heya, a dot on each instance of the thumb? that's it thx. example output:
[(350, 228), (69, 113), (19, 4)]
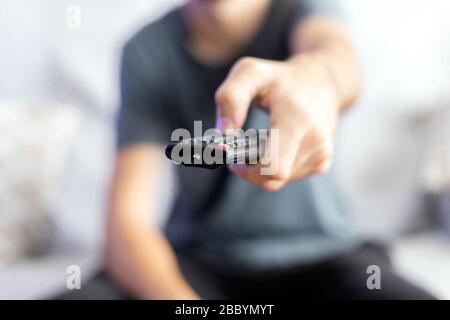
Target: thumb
[(246, 81), (232, 107)]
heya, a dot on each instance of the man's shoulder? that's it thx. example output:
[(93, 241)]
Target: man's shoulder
[(153, 37)]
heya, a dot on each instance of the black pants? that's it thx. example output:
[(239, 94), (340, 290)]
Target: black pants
[(341, 277)]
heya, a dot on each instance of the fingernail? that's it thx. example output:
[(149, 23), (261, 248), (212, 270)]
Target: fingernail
[(224, 123)]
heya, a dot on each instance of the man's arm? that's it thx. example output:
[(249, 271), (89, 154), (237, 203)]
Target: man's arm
[(138, 256), (326, 40), (304, 96)]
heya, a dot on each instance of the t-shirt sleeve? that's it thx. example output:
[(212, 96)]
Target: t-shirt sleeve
[(142, 117)]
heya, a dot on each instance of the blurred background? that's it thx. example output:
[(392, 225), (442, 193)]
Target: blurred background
[(58, 98)]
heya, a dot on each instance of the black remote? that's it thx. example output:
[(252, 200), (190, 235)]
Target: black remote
[(212, 152)]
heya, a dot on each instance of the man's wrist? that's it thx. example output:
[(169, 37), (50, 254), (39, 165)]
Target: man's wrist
[(318, 64)]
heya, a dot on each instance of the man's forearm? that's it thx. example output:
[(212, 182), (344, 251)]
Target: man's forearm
[(137, 254), (326, 42), (142, 261)]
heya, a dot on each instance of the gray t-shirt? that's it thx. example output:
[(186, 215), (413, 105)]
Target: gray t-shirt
[(217, 216)]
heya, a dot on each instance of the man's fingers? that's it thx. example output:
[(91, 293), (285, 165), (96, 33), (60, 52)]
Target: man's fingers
[(232, 102), (276, 168), (250, 173), (286, 135), (315, 148), (316, 168), (245, 82)]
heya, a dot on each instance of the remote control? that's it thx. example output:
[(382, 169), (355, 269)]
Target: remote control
[(212, 152)]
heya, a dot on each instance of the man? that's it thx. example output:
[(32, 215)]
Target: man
[(234, 232)]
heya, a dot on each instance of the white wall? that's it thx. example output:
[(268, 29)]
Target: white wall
[(41, 58), (23, 49), (404, 50)]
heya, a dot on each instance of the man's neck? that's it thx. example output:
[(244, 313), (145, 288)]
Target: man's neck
[(219, 29)]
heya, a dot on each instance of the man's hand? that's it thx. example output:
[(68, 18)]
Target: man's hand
[(304, 96), (303, 104)]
